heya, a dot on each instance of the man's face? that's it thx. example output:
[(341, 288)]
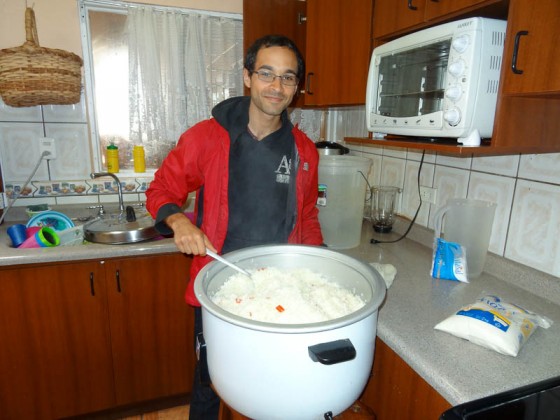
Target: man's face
[(272, 98)]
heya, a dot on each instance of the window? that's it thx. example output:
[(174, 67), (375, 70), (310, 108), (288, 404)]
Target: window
[(152, 72)]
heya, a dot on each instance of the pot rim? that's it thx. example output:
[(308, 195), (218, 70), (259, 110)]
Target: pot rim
[(371, 275)]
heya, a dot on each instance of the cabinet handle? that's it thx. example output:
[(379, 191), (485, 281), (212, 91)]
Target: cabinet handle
[(518, 36), (308, 84), (301, 18), (91, 284), (410, 6), (118, 277)]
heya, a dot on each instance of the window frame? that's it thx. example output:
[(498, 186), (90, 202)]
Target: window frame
[(84, 6)]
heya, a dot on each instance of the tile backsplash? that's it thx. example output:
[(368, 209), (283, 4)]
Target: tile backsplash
[(65, 179), (526, 189)]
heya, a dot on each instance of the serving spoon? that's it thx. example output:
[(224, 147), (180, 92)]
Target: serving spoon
[(226, 262)]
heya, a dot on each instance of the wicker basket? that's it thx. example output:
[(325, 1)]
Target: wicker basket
[(31, 75)]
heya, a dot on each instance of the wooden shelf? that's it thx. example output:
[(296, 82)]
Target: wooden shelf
[(441, 146)]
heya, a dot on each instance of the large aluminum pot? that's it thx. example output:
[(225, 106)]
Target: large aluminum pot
[(280, 371)]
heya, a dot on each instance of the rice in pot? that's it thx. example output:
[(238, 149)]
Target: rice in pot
[(298, 296)]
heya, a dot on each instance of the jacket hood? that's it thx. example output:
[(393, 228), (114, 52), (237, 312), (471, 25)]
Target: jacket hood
[(233, 112)]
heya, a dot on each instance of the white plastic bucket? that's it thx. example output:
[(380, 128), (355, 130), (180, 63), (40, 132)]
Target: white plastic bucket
[(342, 191)]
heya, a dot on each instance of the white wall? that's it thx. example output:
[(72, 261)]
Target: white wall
[(58, 25)]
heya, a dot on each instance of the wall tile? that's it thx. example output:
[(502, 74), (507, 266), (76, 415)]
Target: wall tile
[(545, 167), (25, 114), (19, 151), (72, 148), (392, 172), (60, 188), (414, 154), (535, 226), (374, 176), (454, 162), (397, 152), (410, 198), (86, 200), (499, 190), (501, 165), (66, 113), (308, 120)]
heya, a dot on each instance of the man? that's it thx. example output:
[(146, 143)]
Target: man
[(254, 173)]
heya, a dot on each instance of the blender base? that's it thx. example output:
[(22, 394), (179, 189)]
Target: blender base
[(382, 229)]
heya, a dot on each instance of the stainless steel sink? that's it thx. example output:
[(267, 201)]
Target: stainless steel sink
[(125, 227)]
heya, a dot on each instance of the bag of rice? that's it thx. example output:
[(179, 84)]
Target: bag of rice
[(495, 324)]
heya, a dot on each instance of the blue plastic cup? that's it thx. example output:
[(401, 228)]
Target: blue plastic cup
[(17, 234)]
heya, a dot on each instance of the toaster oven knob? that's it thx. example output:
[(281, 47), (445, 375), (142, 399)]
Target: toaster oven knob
[(457, 68), (452, 116), (460, 43), (454, 93)]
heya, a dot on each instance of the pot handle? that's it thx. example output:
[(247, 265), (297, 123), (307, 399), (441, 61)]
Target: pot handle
[(332, 352)]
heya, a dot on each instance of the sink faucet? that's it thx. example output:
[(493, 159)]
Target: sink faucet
[(119, 186)]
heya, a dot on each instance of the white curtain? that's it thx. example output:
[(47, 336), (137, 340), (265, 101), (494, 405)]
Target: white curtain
[(181, 65)]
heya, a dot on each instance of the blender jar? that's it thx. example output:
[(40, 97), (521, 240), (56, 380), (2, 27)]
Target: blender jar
[(383, 206)]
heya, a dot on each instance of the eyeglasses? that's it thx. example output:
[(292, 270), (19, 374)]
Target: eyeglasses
[(269, 77)]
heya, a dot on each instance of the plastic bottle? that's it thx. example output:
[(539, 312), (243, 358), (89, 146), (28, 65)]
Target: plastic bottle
[(139, 159), (112, 158)]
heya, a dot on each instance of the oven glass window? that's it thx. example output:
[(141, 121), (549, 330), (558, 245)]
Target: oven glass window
[(412, 82)]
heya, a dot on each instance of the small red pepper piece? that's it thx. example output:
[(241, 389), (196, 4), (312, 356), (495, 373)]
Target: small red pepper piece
[(279, 308)]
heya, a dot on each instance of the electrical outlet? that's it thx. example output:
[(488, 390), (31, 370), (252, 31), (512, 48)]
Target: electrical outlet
[(47, 144), (428, 194)]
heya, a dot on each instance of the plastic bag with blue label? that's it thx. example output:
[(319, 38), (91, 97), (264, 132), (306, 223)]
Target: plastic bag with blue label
[(495, 324), (449, 261)]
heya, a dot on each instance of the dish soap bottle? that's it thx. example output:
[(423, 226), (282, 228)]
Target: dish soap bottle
[(139, 159), (112, 158)]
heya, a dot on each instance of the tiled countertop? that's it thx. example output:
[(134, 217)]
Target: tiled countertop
[(458, 370)]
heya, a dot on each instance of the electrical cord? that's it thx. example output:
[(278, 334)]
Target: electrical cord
[(377, 241), (11, 202)]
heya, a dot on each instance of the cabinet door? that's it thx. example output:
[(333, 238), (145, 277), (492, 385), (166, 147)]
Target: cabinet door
[(535, 27), (151, 326), (396, 392), (338, 51), (55, 357), (285, 17), (391, 16), (438, 8)]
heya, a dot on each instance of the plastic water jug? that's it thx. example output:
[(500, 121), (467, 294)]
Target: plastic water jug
[(469, 223), (342, 191)]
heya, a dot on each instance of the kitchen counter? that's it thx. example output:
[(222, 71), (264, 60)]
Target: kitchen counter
[(460, 371)]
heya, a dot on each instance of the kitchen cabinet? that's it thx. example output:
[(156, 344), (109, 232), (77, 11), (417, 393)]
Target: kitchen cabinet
[(396, 392), (528, 108), (390, 16), (333, 35), (151, 327), (532, 29), (285, 17), (393, 17), (87, 336), (527, 116), (55, 358)]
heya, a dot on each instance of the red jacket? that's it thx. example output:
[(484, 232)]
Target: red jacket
[(184, 171)]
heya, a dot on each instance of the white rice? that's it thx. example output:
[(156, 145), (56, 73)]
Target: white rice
[(297, 296)]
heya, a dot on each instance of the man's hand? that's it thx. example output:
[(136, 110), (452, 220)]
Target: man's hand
[(188, 238)]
